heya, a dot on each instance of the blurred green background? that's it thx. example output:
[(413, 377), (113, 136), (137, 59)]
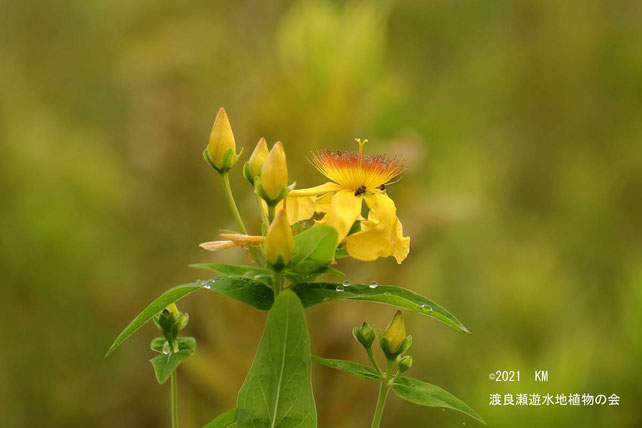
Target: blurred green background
[(521, 124)]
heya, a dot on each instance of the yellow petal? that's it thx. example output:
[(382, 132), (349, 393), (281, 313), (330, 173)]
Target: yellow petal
[(298, 208), (322, 203), (381, 235), (316, 191), (172, 308), (344, 210), (400, 243)]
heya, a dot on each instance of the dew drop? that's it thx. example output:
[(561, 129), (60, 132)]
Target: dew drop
[(325, 299), (373, 284), (166, 348), (346, 283), (207, 286), (387, 293), (426, 307), (340, 288)]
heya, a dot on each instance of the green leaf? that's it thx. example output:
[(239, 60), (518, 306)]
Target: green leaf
[(341, 252), (245, 290), (158, 343), (223, 420), (318, 292), (165, 364), (355, 369), (314, 249), (165, 299), (425, 394), (253, 293), (277, 391), (296, 277), (252, 272)]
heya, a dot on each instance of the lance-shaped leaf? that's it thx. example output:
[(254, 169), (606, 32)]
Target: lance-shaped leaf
[(355, 369), (318, 292), (277, 391), (253, 293), (251, 272), (165, 363), (223, 420), (426, 394)]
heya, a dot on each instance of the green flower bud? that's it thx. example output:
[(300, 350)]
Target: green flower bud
[(170, 321), (364, 335), (405, 363)]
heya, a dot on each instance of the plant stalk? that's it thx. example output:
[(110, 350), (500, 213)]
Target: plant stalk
[(237, 216), (271, 213), (374, 361), (264, 217), (278, 283), (174, 400), (383, 395)]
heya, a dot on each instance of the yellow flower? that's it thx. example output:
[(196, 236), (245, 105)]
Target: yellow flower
[(274, 174), (222, 141), (395, 332), (252, 167), (355, 179), (279, 242)]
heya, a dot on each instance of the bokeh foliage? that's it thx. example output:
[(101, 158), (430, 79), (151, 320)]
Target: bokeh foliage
[(520, 123)]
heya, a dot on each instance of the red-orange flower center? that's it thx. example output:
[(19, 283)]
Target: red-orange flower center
[(352, 170)]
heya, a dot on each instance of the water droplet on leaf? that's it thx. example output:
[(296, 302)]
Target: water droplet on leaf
[(373, 284), (346, 283), (340, 288)]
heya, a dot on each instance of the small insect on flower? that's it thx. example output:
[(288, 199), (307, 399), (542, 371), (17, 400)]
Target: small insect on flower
[(356, 178)]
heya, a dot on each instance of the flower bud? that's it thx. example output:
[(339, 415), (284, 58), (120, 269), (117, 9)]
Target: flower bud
[(221, 149), (274, 175), (395, 332), (170, 321), (405, 363), (279, 242), (364, 335), (252, 168)]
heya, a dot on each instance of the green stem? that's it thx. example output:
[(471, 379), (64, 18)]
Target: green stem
[(383, 394), (374, 361), (230, 201), (264, 217), (278, 283), (237, 216), (174, 400), (271, 209)]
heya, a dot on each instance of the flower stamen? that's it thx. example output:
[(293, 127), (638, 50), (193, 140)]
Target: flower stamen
[(352, 170)]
